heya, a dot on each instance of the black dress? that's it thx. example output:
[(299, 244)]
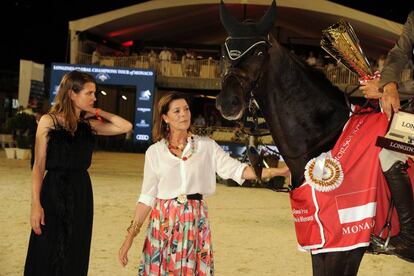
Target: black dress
[(66, 197)]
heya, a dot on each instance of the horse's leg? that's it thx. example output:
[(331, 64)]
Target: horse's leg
[(345, 263)]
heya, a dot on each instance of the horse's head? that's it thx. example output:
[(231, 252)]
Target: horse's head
[(246, 51)]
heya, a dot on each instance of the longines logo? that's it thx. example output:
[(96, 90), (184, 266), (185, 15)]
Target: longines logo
[(145, 95), (407, 125)]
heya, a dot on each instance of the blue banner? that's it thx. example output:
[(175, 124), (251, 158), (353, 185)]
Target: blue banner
[(142, 79)]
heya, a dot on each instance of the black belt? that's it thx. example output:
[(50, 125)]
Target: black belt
[(182, 198), (195, 196)]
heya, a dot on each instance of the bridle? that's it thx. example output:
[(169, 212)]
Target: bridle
[(236, 56)]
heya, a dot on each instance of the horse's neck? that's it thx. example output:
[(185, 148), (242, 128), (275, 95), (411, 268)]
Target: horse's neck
[(299, 114)]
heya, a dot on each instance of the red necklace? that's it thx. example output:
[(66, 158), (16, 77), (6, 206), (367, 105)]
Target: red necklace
[(181, 148)]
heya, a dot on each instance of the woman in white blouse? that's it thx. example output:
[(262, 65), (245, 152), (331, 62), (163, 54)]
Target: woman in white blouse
[(179, 171)]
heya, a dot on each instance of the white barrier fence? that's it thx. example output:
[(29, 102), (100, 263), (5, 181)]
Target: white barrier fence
[(206, 68)]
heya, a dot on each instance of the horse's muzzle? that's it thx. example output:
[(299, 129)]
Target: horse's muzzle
[(230, 101)]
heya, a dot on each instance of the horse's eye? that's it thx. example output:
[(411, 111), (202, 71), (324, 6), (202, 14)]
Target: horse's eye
[(260, 53)]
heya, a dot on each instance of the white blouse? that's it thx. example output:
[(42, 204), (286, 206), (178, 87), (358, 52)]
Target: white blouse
[(167, 176)]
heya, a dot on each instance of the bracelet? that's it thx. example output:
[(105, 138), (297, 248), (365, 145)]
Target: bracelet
[(134, 227), (97, 110)]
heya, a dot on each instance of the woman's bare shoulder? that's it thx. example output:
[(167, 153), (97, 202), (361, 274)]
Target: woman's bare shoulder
[(46, 121)]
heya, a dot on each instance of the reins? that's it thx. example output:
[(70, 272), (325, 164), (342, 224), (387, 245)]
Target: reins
[(349, 106)]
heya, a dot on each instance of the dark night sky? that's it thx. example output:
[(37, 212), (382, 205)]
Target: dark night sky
[(43, 37)]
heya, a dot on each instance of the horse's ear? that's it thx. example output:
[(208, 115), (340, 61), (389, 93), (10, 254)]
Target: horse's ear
[(266, 23), (229, 22)]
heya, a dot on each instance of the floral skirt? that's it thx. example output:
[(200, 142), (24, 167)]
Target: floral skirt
[(178, 240)]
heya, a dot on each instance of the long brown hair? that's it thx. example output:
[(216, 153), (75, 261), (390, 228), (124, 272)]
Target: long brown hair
[(160, 130), (72, 81)]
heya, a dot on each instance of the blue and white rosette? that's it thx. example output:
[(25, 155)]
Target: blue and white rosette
[(324, 173)]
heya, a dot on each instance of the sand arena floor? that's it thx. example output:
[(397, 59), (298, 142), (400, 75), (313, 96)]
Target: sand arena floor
[(252, 228)]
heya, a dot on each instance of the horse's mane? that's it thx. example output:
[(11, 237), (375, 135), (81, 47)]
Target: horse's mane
[(310, 76), (305, 112)]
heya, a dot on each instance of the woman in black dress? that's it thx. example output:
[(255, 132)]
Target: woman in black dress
[(62, 201)]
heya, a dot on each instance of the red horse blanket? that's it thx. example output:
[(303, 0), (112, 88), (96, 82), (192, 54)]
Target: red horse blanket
[(344, 218)]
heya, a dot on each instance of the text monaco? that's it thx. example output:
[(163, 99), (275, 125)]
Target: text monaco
[(357, 228)]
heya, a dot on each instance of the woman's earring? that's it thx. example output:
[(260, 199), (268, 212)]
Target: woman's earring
[(167, 127)]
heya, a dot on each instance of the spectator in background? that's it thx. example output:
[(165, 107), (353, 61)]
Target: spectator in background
[(152, 58), (311, 60), (191, 64), (199, 120), (96, 57), (165, 58), (184, 65)]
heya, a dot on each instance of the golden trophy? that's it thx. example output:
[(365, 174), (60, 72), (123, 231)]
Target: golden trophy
[(341, 42)]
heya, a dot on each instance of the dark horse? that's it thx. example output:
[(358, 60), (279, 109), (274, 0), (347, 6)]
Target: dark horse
[(305, 113)]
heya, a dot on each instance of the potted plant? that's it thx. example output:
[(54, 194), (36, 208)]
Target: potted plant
[(23, 127)]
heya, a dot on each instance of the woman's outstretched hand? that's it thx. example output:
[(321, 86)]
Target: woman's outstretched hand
[(283, 171), (123, 251)]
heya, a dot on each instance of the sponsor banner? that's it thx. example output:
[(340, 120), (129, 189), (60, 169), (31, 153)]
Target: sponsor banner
[(143, 80)]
